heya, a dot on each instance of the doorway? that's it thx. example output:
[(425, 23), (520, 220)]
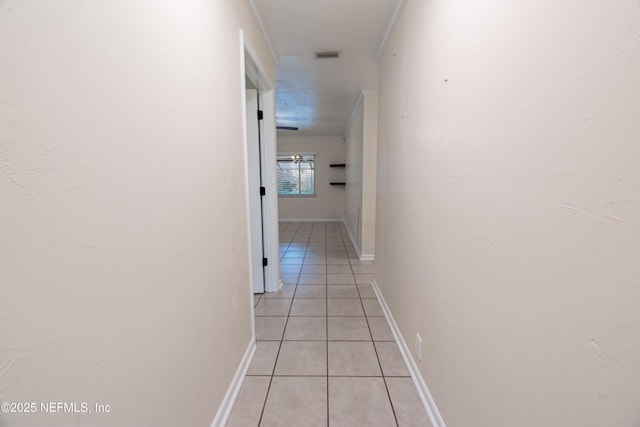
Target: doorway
[(259, 260), (260, 154)]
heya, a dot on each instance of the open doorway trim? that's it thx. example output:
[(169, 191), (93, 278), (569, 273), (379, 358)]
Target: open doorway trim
[(252, 67)]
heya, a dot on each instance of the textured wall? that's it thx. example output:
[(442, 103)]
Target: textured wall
[(509, 207), (123, 229)]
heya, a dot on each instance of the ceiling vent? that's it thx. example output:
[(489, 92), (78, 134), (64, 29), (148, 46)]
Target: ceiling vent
[(321, 54)]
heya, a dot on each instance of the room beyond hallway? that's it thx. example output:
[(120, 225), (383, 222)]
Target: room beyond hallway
[(325, 353)]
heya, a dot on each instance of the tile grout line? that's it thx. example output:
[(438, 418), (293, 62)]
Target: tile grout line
[(375, 349), (273, 371), (313, 233), (326, 312), (264, 404)]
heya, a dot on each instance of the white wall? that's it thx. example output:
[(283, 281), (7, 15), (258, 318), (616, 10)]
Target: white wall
[(354, 139), (122, 281), (329, 201), (361, 141), (509, 207), (369, 173)]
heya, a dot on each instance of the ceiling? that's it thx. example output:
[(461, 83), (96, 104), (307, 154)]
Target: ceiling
[(319, 95)]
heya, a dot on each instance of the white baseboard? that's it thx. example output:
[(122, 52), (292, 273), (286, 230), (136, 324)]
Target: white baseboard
[(310, 220), (280, 285), (361, 256), (354, 242), (423, 391), (232, 392)]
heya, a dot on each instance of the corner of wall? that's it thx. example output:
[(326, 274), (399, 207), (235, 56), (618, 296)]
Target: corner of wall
[(224, 410), (425, 396), (354, 242)]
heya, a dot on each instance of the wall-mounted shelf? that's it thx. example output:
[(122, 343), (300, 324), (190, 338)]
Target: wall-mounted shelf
[(338, 178)]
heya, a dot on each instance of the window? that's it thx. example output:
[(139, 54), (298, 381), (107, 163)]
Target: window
[(296, 174)]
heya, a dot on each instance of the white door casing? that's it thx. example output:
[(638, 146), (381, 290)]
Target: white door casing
[(252, 68), (253, 172)]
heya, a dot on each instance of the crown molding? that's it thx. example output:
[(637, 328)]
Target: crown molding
[(258, 18), (397, 12), (353, 113)]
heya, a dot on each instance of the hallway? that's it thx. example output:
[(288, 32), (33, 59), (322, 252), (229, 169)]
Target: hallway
[(325, 353), (484, 154)]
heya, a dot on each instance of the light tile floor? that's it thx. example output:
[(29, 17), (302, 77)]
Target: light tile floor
[(325, 355)]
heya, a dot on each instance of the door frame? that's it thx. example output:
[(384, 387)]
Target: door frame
[(254, 182), (251, 67)]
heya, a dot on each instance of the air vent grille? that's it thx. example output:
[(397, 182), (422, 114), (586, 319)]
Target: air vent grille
[(321, 54)]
